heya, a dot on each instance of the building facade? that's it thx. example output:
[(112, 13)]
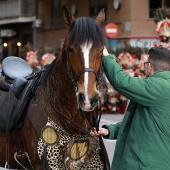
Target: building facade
[(40, 22)]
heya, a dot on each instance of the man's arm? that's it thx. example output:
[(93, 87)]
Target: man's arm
[(113, 130), (144, 91), (107, 131)]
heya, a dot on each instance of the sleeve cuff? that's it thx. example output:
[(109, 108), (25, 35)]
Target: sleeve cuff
[(106, 136)]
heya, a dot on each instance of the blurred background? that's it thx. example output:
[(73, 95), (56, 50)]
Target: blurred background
[(35, 29), (36, 24)]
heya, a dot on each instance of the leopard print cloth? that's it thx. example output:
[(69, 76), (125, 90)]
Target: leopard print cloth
[(57, 157)]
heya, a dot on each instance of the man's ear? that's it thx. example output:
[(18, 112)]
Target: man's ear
[(150, 68)]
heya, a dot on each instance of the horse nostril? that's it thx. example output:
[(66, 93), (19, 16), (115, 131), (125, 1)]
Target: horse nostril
[(81, 97), (95, 98)]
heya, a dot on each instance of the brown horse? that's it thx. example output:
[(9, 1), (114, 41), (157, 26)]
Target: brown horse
[(55, 129)]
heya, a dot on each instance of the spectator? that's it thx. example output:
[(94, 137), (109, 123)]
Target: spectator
[(143, 137)]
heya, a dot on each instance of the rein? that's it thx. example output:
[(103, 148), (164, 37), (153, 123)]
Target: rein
[(21, 156), (97, 117), (98, 78), (77, 126)]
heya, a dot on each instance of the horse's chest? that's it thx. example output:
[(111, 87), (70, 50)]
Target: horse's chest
[(64, 151)]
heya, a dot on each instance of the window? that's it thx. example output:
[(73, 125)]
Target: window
[(57, 15), (95, 6), (155, 4), (166, 3)]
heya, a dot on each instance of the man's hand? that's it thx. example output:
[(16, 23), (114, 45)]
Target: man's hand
[(102, 131), (105, 52)]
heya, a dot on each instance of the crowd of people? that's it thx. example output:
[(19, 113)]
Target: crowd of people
[(43, 56)]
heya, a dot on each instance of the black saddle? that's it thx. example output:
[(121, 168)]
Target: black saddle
[(14, 67), (16, 90)]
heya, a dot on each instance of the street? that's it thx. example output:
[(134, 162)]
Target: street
[(110, 144)]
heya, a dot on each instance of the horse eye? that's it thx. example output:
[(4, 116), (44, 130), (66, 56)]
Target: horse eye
[(70, 50)]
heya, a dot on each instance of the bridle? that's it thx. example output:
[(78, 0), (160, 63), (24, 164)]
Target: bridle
[(75, 78), (97, 117), (98, 78)]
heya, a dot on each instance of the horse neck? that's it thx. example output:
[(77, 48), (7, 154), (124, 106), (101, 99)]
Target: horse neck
[(61, 85), (64, 97)]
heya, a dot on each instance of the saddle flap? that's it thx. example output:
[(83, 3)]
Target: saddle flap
[(19, 85), (15, 67), (4, 85), (7, 103)]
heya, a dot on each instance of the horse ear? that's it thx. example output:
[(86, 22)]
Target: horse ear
[(101, 17), (68, 17)]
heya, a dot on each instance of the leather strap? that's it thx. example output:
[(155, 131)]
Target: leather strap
[(104, 155), (22, 158), (8, 110), (85, 70), (77, 126)]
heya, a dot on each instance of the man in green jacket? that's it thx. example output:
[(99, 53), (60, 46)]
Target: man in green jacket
[(143, 137)]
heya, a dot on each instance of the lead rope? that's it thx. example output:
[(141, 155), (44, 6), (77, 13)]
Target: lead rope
[(77, 126), (19, 155), (104, 155), (103, 152)]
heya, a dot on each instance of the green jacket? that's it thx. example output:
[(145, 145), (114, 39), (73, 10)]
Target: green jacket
[(143, 137)]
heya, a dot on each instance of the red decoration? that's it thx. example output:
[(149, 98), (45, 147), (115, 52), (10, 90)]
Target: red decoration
[(32, 58), (122, 55), (47, 59)]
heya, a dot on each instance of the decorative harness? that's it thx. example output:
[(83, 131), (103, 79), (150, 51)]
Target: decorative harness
[(22, 157), (74, 79), (97, 117), (16, 89)]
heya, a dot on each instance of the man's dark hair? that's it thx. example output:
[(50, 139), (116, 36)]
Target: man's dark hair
[(159, 57)]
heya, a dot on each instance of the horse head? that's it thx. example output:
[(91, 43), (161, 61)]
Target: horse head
[(83, 48), (45, 103)]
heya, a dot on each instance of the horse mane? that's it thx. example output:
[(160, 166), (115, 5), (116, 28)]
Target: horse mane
[(82, 30), (85, 29), (48, 69)]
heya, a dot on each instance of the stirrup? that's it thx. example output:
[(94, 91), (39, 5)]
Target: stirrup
[(22, 159), (7, 167)]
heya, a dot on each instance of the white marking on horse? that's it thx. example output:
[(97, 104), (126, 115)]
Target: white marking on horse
[(86, 50)]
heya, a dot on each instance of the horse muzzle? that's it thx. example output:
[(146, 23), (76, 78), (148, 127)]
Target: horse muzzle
[(87, 104)]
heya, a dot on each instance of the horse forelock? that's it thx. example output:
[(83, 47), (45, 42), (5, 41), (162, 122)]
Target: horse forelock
[(86, 29)]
